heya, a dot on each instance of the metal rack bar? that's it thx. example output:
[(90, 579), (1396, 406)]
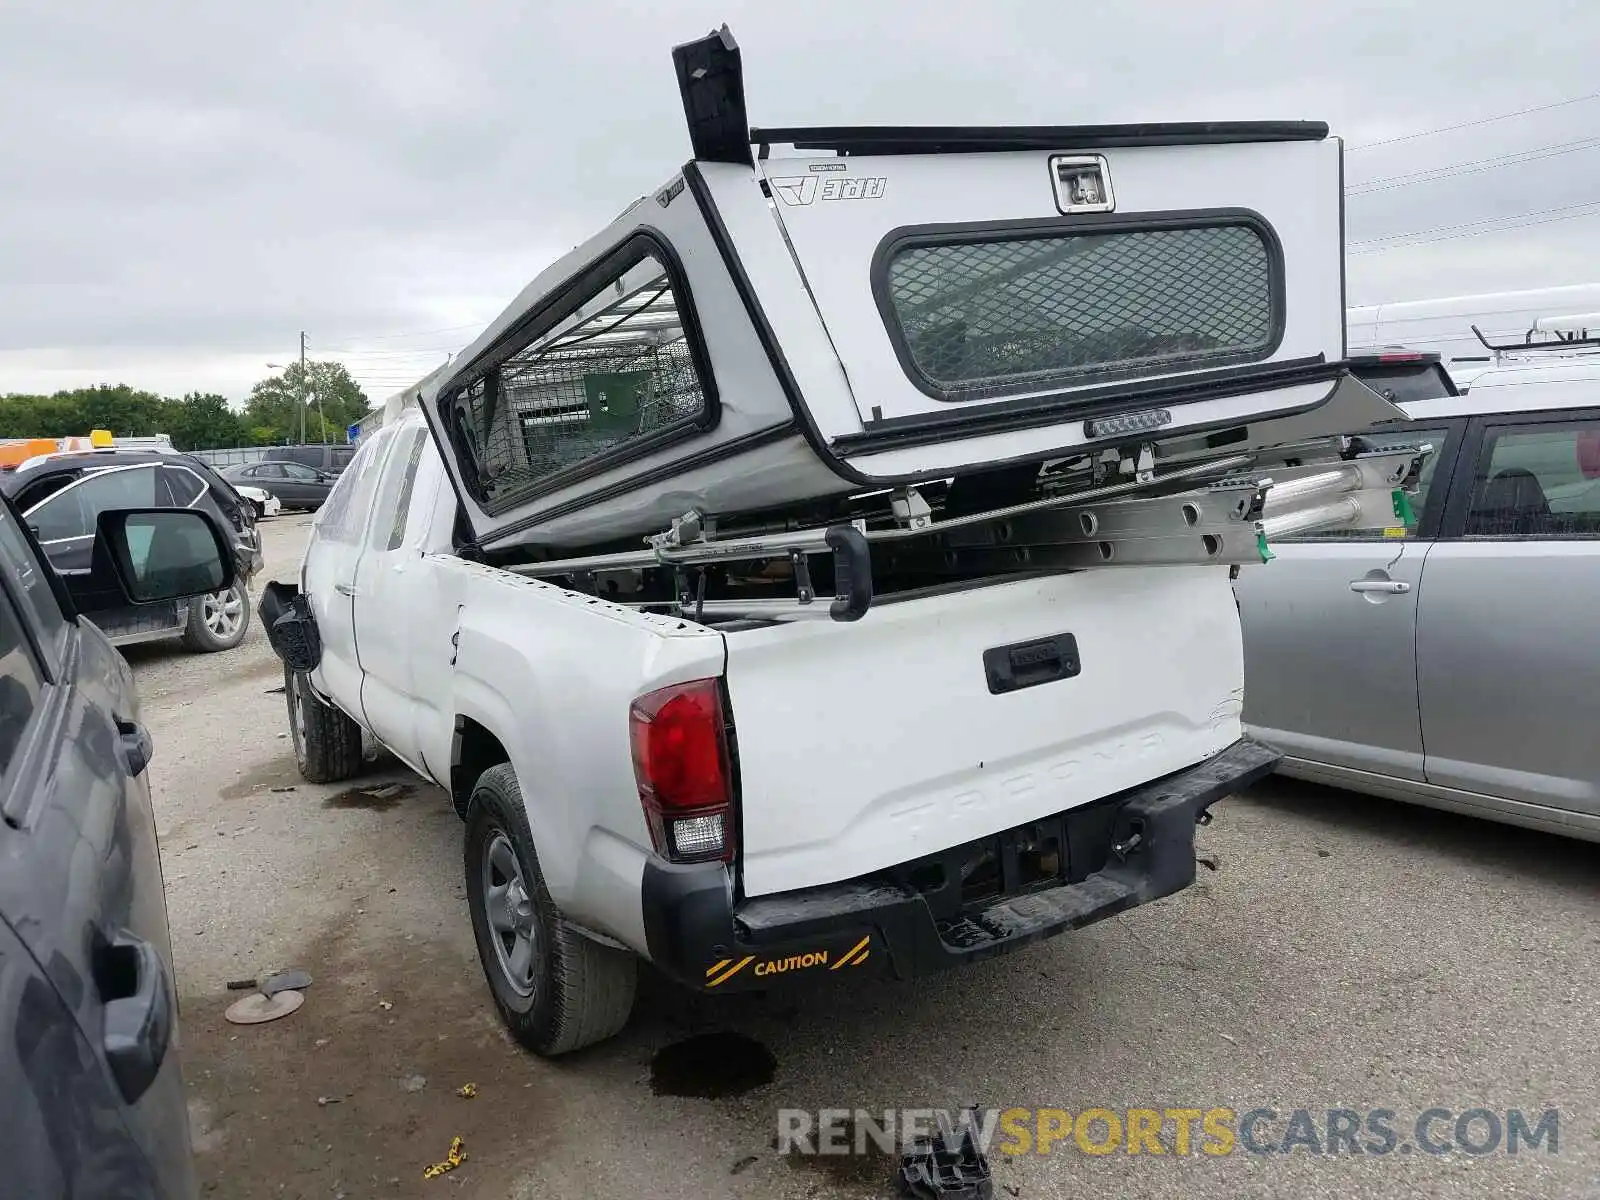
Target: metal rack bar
[(1226, 521), (814, 541)]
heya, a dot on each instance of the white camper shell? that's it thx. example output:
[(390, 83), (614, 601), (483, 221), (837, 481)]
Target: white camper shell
[(881, 328)]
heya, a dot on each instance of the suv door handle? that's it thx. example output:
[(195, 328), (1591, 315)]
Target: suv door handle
[(136, 746), (345, 589), (1388, 587), (137, 994)]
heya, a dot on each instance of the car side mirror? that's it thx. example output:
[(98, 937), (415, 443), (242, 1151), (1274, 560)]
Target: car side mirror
[(145, 556)]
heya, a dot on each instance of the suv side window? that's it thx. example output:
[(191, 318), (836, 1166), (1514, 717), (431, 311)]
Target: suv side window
[(343, 515), (29, 616), (71, 513), (59, 516), (185, 485), (394, 493), (1537, 481), (295, 454), (30, 587), (21, 685)]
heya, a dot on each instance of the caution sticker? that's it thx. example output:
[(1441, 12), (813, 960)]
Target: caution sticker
[(759, 967)]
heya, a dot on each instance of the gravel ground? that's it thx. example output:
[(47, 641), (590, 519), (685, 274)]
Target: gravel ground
[(1344, 954)]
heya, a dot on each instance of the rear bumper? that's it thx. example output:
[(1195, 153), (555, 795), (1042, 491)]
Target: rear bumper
[(1120, 852)]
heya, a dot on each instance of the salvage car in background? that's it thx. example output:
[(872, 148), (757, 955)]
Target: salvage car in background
[(1450, 661), (91, 1096), (61, 496), (325, 457), (263, 501), (295, 485)]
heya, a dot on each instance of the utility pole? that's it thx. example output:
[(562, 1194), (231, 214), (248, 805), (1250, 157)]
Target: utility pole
[(303, 382)]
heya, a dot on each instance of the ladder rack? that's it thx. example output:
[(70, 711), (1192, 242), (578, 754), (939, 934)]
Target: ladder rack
[(1229, 513)]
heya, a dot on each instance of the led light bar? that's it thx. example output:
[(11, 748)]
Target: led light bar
[(1125, 423)]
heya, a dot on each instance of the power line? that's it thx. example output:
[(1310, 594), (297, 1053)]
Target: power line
[(1445, 233), (1521, 112), (389, 358), (1471, 166), (355, 341)]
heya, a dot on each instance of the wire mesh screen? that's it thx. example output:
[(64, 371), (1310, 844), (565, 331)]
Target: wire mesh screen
[(618, 369), (980, 314)]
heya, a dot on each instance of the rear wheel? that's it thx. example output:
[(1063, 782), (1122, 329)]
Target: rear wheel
[(218, 621), (327, 744), (556, 990)]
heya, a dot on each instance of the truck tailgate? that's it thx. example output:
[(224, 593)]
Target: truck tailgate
[(949, 717)]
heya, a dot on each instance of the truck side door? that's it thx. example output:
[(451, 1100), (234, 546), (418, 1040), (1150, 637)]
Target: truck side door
[(391, 611), (1508, 665), (1330, 634), (328, 575)]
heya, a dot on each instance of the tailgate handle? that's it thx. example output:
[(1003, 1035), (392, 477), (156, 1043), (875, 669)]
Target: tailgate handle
[(1028, 664)]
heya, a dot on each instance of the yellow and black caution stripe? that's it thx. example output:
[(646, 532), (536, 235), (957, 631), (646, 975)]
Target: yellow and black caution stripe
[(856, 955), (726, 970)]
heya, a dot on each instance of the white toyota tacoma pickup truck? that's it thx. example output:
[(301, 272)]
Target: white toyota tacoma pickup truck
[(825, 570)]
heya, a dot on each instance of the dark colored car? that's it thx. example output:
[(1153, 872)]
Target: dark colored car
[(60, 496), (91, 1095), (294, 484), (331, 460)]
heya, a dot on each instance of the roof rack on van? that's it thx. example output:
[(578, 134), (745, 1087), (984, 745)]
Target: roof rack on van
[(1557, 339)]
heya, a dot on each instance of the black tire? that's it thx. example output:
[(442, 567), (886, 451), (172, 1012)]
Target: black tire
[(581, 991), (218, 621), (261, 510), (327, 744)]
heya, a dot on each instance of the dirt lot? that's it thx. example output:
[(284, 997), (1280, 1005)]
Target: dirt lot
[(1344, 953)]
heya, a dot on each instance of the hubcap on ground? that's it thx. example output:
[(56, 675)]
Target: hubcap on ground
[(223, 612), (512, 924)]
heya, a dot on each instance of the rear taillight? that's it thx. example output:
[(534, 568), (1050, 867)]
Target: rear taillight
[(680, 760)]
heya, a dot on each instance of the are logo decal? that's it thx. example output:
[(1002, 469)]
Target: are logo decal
[(807, 189)]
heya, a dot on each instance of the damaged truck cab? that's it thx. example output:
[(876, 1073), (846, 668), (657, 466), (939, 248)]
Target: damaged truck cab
[(826, 569)]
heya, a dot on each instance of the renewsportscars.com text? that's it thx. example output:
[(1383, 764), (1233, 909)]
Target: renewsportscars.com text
[(1181, 1131)]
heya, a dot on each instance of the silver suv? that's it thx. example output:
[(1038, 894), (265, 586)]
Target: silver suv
[(1451, 660)]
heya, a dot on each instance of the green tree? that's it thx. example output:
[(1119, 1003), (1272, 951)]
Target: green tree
[(121, 409), (203, 421), (277, 403), (200, 420), (32, 416), (69, 413)]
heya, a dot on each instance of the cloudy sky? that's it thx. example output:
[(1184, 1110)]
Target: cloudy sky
[(187, 184)]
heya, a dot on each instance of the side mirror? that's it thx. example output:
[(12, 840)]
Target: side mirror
[(145, 556)]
